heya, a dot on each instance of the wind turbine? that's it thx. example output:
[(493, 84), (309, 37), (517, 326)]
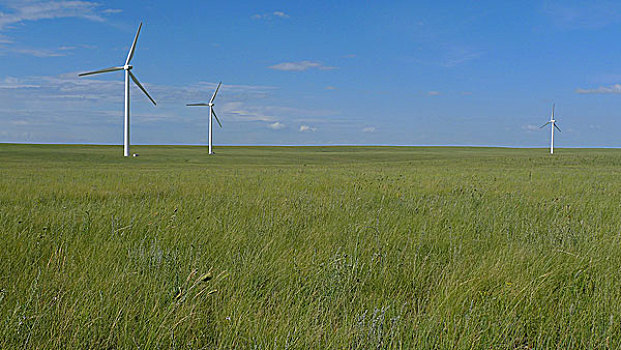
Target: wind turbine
[(212, 113), (128, 74), (553, 125)]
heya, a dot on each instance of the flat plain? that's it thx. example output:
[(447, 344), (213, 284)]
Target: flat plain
[(309, 248)]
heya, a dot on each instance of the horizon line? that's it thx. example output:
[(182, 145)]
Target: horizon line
[(313, 145)]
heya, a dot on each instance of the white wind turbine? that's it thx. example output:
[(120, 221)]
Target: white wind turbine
[(128, 74), (553, 126), (212, 113)]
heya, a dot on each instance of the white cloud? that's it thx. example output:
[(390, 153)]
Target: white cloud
[(433, 93), (202, 91), (280, 14), (232, 102), (241, 111), (531, 127), (592, 14), (5, 39), (66, 108), (276, 126), (23, 11), (457, 55), (330, 88), (614, 89), (14, 83), (67, 93), (369, 129), (269, 16), (38, 52), (300, 66), (304, 128)]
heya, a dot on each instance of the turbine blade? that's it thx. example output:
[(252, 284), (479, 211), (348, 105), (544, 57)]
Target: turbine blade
[(141, 87), (105, 70), (197, 104), (557, 128), (215, 92), (215, 116), (133, 48), (544, 125)]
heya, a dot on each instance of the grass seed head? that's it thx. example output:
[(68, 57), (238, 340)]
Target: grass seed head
[(206, 277)]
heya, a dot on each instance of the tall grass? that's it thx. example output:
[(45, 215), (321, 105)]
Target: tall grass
[(318, 247)]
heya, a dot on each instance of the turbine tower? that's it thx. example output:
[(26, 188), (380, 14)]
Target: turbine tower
[(553, 126), (128, 75), (212, 113)]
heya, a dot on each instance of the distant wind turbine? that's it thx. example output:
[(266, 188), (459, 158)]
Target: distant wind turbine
[(212, 113), (553, 126), (128, 74)]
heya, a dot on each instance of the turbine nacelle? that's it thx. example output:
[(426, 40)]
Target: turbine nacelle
[(128, 67)]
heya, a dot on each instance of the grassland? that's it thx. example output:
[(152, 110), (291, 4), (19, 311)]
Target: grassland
[(309, 248)]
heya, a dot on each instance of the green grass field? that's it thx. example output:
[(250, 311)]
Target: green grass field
[(309, 248)]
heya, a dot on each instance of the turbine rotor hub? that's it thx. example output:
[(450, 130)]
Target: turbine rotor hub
[(211, 104), (128, 67)]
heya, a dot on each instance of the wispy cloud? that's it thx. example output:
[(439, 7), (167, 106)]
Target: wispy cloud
[(433, 93), (39, 108), (445, 55), (67, 91), (271, 15), (276, 126), (614, 89), (300, 66), (530, 127), (201, 92), (592, 14), (242, 111), (330, 87), (61, 51), (458, 55), (368, 129), (23, 11), (110, 11), (14, 83), (306, 128)]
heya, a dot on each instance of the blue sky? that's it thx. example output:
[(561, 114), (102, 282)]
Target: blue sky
[(308, 72)]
